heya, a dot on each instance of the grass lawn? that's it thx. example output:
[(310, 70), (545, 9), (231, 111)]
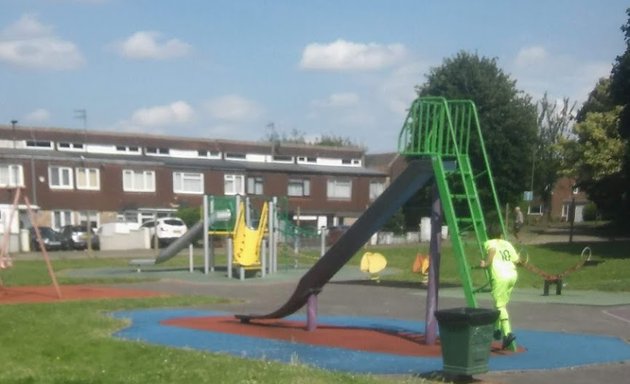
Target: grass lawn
[(70, 342), (611, 274)]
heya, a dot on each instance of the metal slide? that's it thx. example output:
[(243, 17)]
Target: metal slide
[(175, 247), (182, 242), (416, 175)]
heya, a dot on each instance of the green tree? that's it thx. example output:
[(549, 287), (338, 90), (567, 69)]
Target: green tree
[(599, 156), (620, 94), (297, 137), (554, 126), (190, 215), (506, 114), (620, 77), (335, 141), (595, 158), (599, 100), (276, 137)]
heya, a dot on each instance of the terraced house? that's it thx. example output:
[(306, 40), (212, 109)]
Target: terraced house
[(73, 176)]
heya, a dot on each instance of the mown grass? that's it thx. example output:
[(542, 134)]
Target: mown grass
[(71, 343), (611, 274)]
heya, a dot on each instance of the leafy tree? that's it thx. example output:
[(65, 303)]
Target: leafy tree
[(298, 137), (273, 136), (620, 80), (190, 215), (599, 149), (599, 100), (599, 157), (554, 125), (507, 117), (335, 141), (620, 94), (596, 158)]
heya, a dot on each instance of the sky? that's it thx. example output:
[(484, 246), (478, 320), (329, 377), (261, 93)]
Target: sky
[(243, 69)]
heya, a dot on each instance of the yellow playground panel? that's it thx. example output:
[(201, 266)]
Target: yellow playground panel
[(248, 241)]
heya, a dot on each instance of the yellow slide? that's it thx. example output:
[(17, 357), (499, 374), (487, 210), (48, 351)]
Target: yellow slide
[(247, 241)]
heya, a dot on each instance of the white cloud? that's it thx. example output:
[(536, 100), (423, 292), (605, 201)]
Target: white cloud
[(337, 100), (39, 115), (534, 55), (346, 55), (538, 70), (28, 43), (150, 45), (178, 112), (397, 90), (234, 108)]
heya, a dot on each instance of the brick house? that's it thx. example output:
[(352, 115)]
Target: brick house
[(73, 176)]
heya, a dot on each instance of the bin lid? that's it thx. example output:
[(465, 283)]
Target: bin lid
[(467, 315)]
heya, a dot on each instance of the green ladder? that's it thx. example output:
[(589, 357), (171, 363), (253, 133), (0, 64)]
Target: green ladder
[(445, 131)]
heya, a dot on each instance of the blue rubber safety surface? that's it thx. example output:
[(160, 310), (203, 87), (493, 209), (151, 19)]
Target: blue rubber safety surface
[(544, 350)]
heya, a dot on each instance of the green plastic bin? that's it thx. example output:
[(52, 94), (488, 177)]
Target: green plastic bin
[(466, 338)]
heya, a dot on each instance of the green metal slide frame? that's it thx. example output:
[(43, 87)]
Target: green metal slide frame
[(443, 130)]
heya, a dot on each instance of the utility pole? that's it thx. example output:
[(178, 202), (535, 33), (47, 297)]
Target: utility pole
[(13, 123), (81, 114)]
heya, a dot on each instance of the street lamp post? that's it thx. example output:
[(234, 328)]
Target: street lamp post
[(572, 214)]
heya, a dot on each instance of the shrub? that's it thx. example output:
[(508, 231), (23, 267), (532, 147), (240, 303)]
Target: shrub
[(590, 212)]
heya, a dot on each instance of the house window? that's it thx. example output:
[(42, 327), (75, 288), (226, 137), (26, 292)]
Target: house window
[(208, 154), (304, 159), (65, 146), (234, 184), (138, 181), (299, 187), (157, 151), (339, 189), (282, 159), (88, 178), (187, 182), (127, 149), (60, 177), (39, 144), (535, 209), (376, 188), (351, 161), (11, 175), (255, 185), (61, 218), (91, 216), (235, 156)]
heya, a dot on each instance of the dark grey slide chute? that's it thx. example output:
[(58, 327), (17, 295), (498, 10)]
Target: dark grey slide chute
[(417, 174), (182, 242)]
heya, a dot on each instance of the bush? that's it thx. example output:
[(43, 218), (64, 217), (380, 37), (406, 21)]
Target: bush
[(190, 215), (590, 212), (395, 224)]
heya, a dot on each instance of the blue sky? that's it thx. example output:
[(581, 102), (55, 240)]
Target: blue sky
[(227, 69)]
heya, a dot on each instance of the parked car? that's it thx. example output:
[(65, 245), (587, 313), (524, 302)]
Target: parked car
[(76, 237), (165, 230), (52, 239)]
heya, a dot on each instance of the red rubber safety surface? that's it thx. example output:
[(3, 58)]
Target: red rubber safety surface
[(362, 339), (43, 294)]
